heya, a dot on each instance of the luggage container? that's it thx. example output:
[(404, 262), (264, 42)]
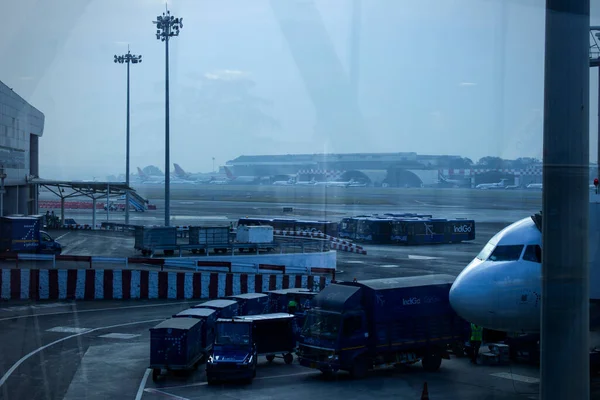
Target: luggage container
[(208, 317), (148, 239), (251, 303), (273, 335), (209, 235), (224, 308), (254, 234), (240, 340), (176, 344)]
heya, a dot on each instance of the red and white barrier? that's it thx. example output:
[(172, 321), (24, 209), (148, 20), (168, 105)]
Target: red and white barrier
[(336, 243), (90, 284), (349, 249)]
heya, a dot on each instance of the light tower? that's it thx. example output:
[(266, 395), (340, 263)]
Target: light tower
[(127, 59), (167, 26)]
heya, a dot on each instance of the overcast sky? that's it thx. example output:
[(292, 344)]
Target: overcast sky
[(432, 76)]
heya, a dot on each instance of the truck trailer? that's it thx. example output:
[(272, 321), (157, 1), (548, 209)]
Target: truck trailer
[(380, 323), (24, 235)]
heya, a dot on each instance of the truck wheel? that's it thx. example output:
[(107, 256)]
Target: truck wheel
[(155, 374), (327, 374), (288, 358), (432, 361), (458, 350), (270, 357), (359, 369)]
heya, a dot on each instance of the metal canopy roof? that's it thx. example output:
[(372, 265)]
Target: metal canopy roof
[(86, 187)]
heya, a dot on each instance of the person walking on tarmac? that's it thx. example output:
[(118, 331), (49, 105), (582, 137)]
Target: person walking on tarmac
[(476, 338)]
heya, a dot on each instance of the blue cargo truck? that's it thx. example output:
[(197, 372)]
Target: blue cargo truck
[(381, 323), (24, 235)]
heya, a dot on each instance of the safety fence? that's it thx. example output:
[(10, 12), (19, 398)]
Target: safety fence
[(48, 261), (85, 205), (90, 284)]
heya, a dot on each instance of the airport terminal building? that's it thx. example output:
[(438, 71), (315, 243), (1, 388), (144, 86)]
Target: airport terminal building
[(21, 126)]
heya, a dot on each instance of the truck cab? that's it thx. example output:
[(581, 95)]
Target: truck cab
[(335, 335), (234, 354), (49, 245)]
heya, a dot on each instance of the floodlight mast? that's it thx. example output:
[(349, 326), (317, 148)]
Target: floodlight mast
[(167, 26), (127, 59)]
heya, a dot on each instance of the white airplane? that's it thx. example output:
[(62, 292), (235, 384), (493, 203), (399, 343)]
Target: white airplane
[(351, 182), (500, 184), (289, 182), (145, 178), (534, 186), (455, 182), (501, 288), (199, 178), (306, 183)]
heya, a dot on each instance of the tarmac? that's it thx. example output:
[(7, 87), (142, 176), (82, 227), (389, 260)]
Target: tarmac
[(100, 349)]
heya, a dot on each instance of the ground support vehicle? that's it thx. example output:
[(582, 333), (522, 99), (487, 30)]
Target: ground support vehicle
[(241, 340), (380, 323)]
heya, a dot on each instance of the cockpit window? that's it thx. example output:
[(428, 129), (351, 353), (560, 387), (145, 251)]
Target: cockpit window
[(533, 253), (507, 253), (485, 252)]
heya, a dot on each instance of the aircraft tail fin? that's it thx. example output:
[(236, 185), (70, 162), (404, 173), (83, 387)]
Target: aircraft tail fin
[(179, 171), (141, 173), (228, 173)]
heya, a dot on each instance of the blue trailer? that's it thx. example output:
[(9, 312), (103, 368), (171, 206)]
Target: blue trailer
[(24, 235), (390, 229), (380, 323), (176, 344), (208, 318), (251, 303), (241, 340), (224, 308)]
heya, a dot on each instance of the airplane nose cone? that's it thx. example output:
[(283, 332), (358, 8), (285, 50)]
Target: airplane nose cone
[(472, 298)]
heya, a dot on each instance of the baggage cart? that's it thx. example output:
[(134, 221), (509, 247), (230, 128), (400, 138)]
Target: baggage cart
[(251, 303), (175, 344)]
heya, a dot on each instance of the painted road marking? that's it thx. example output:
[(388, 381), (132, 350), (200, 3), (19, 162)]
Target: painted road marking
[(418, 257), (34, 307), (260, 378), (61, 236), (94, 310), (67, 329), (165, 394), (27, 356), (389, 266), (354, 262), (515, 377), (197, 217), (140, 391), (119, 336)]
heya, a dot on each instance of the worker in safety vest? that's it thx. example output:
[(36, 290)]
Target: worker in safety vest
[(476, 338), (292, 306)]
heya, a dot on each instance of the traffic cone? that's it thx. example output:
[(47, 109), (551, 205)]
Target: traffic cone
[(425, 394)]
